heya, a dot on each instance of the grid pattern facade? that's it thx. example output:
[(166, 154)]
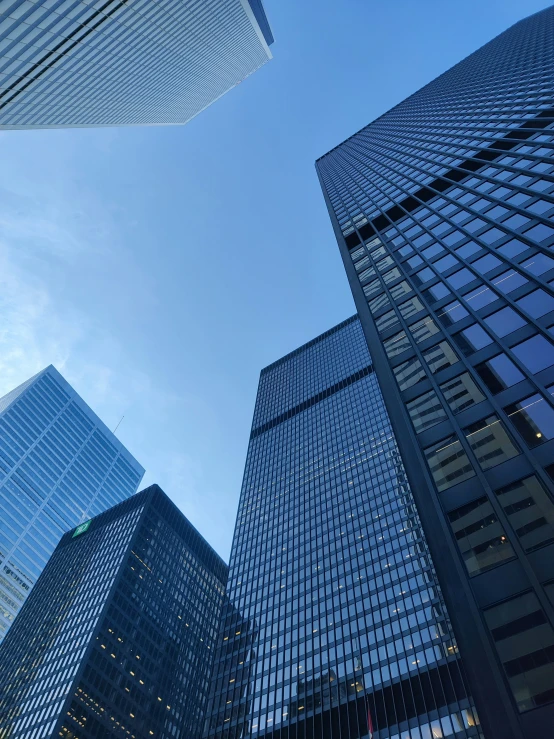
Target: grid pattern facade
[(443, 209), (115, 62), (59, 465), (335, 614), (128, 607)]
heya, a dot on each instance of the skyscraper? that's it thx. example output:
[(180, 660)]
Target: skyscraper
[(59, 465), (335, 621), (443, 211), (117, 638), (111, 63)]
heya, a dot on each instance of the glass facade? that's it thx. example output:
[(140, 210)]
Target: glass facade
[(335, 621), (447, 203), (59, 465), (114, 62), (117, 639)]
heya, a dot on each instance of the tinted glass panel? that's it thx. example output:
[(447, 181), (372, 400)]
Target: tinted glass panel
[(425, 411), (440, 356), (480, 537), (410, 307), (534, 419), (438, 291), (472, 338), (480, 297), (537, 303), (524, 640), (386, 320), (396, 344), (461, 392), (378, 303), (504, 321), (536, 353), (408, 373), (530, 511), (508, 281), (460, 278), (499, 373), (451, 313), (448, 463), (490, 442)]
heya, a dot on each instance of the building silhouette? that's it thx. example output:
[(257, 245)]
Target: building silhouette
[(122, 62), (335, 618), (117, 638), (59, 465), (443, 212)]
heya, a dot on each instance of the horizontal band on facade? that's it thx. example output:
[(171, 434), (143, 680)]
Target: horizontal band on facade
[(312, 401)]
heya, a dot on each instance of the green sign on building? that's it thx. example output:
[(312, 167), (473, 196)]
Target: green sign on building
[(81, 528)]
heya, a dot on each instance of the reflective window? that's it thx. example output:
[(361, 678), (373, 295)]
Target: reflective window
[(448, 463), (460, 278), (394, 274), (538, 264), (410, 307), (461, 392), (425, 411), (537, 303), (451, 313), (376, 304), (508, 281), (423, 329), (398, 291), (438, 291), (536, 353), (386, 320), (530, 511), (490, 442), (466, 250), (396, 344), (512, 248), (432, 251), (472, 339), (533, 417), (480, 536), (486, 263), (524, 641), (499, 373), (445, 263), (504, 321), (480, 297), (409, 373), (424, 275), (440, 356)]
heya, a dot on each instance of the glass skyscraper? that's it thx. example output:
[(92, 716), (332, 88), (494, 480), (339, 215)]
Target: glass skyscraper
[(335, 624), (443, 210), (116, 62), (59, 465), (117, 638)]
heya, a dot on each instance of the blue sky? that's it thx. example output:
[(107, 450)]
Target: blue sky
[(161, 268)]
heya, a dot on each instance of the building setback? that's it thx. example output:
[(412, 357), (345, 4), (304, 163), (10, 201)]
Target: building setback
[(443, 211), (117, 637), (335, 619), (112, 63), (59, 465)]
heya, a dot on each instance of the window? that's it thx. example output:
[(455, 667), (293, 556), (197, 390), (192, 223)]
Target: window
[(366, 274), (472, 339), (451, 313), (396, 344), (372, 288), (499, 373), (423, 329), (512, 248), (410, 307), (448, 463), (549, 589), (362, 264), (445, 263), (492, 235), (377, 303), (460, 278), (466, 250), (530, 511), (490, 442), (386, 321), (540, 233), (480, 297), (509, 281), (385, 263), (425, 411), (409, 373), (537, 304), (438, 291), (424, 275), (538, 264), (439, 357), (524, 641), (432, 251), (504, 321), (536, 353), (533, 417), (398, 291), (461, 392), (394, 274), (486, 263), (480, 536), (415, 261)]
